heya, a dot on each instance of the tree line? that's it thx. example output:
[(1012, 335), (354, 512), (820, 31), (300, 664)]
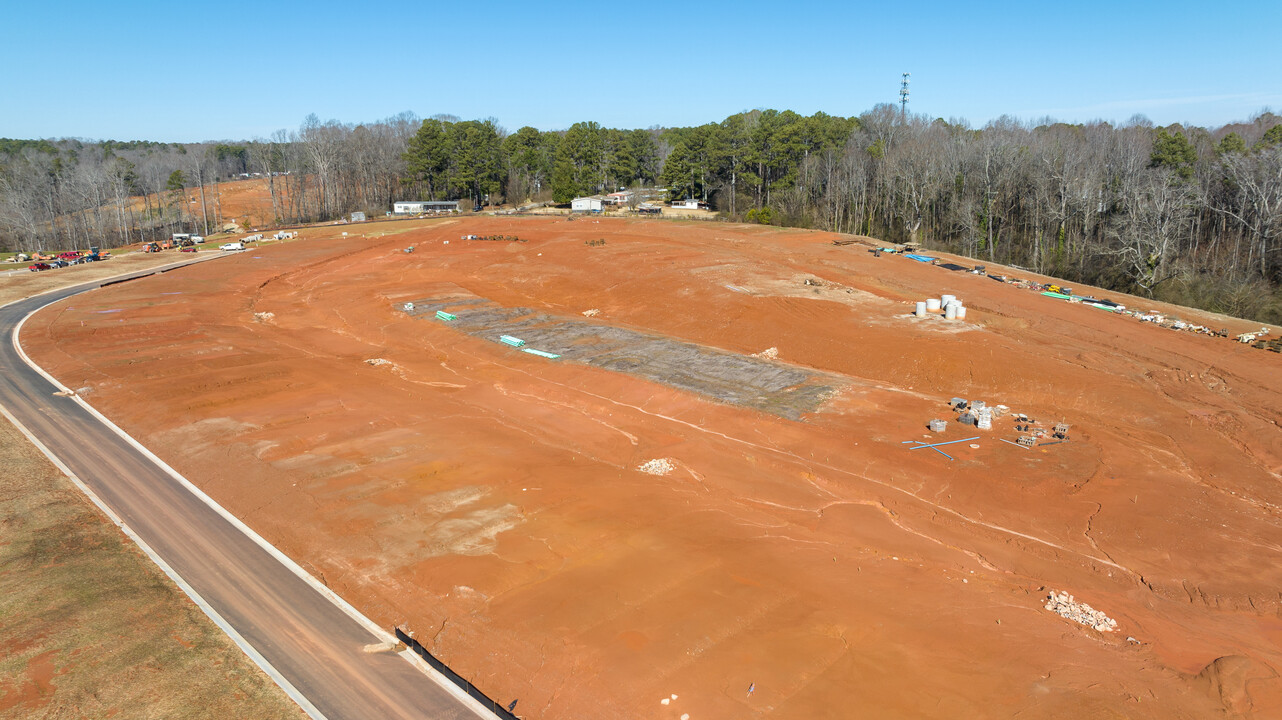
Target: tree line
[(1187, 214)]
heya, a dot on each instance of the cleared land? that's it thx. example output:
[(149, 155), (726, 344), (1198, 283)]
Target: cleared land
[(26, 283), (91, 628), (638, 519)]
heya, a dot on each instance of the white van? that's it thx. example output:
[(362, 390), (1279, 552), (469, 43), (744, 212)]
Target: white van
[(232, 246)]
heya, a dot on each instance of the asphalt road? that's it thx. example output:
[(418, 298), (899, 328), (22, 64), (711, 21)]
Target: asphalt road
[(309, 641)]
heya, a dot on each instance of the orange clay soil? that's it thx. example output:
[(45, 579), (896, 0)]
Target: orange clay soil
[(490, 501), (247, 202)]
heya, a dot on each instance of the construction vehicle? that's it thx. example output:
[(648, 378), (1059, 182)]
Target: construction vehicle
[(151, 247)]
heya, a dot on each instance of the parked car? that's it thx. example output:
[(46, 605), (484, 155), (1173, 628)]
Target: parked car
[(37, 267), (232, 246), (188, 249)]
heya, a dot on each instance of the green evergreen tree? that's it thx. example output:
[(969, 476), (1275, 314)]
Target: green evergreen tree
[(427, 159), (1232, 143), (1272, 137), (1173, 151), (579, 169)]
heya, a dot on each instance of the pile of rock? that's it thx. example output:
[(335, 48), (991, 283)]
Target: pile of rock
[(658, 466), (1064, 605)]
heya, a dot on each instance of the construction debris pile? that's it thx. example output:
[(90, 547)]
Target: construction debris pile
[(1064, 293), (1253, 339), (980, 415), (1065, 606), (974, 412), (594, 243), (1149, 316), (495, 238)]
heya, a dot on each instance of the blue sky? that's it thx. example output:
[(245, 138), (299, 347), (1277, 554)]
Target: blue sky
[(237, 70)]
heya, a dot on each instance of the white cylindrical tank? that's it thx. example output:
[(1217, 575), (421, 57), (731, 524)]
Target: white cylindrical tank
[(921, 309), (944, 300), (961, 312), (933, 303), (950, 311)]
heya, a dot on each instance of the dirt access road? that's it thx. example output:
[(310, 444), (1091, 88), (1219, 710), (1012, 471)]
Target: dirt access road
[(312, 647), (659, 513)]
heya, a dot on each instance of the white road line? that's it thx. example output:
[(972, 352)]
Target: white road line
[(467, 700)]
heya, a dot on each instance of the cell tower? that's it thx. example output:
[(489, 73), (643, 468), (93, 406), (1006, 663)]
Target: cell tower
[(903, 98)]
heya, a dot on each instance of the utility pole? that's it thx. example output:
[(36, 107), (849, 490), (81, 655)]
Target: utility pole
[(903, 98)]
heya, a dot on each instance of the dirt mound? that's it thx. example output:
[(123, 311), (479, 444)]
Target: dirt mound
[(1227, 680)]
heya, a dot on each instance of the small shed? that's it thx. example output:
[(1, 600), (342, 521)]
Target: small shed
[(586, 204), (689, 204)]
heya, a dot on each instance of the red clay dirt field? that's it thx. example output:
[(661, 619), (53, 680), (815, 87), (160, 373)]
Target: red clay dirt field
[(711, 505)]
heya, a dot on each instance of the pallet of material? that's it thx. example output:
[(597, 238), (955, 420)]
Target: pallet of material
[(540, 353), (513, 341), (447, 317)]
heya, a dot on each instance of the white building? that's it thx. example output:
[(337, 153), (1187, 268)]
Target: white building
[(411, 207), (586, 204), (618, 198), (689, 204)]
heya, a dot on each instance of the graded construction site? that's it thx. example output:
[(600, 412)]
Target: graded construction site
[(699, 497)]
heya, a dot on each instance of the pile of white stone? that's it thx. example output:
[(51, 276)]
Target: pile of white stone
[(658, 466), (1064, 605)]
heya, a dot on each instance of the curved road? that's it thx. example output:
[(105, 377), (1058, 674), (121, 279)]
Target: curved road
[(307, 639)]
